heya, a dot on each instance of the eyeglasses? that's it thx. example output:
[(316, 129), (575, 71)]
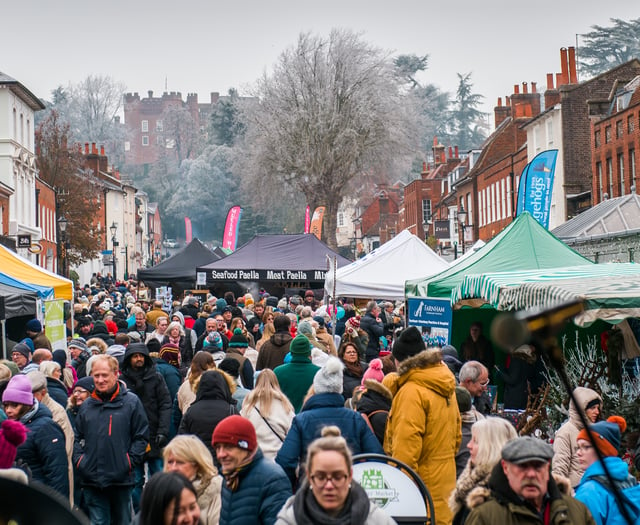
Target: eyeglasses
[(484, 383), (320, 479)]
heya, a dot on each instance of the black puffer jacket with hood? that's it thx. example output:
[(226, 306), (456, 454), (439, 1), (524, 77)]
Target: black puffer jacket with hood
[(149, 385), (213, 403)]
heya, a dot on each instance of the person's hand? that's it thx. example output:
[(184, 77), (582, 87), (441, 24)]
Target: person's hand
[(161, 440)]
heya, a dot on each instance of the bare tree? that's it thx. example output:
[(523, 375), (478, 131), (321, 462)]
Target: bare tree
[(91, 108), (331, 110), (62, 167)]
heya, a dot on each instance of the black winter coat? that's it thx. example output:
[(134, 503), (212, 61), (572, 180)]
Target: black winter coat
[(375, 330), (152, 390), (44, 450), (213, 403), (350, 380), (111, 439), (57, 391)]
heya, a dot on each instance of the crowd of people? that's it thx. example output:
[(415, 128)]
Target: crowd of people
[(249, 410)]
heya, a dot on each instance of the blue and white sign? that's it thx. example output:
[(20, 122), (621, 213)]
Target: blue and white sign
[(433, 313), (536, 186)]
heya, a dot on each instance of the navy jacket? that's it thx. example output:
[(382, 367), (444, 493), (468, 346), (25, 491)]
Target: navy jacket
[(263, 490), (44, 450), (111, 439), (319, 411)]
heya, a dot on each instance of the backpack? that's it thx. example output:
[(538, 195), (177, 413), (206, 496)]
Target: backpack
[(629, 493), (367, 419)]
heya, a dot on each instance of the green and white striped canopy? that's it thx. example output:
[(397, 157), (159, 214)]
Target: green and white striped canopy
[(609, 291)]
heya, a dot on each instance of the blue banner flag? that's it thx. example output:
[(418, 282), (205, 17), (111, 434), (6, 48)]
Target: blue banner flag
[(538, 186), (521, 186)]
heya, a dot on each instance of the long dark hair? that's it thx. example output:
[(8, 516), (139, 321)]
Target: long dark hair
[(162, 489)]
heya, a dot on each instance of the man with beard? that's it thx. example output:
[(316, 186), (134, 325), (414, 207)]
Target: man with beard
[(141, 377), (521, 490)]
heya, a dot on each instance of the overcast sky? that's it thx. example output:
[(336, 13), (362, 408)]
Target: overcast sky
[(203, 45)]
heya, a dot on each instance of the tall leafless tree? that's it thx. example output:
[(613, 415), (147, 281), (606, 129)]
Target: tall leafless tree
[(331, 110)]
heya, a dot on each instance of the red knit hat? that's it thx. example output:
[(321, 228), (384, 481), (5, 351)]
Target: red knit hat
[(606, 435), (237, 431), (12, 435)]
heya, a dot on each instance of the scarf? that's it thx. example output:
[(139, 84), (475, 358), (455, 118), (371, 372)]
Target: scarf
[(233, 477), (308, 511), (175, 341), (354, 368)]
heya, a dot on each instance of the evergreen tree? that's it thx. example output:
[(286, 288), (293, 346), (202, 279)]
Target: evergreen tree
[(466, 118), (607, 47)]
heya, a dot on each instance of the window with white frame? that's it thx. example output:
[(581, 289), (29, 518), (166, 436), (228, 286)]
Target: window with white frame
[(159, 125), (145, 126), (426, 210), (621, 172), (145, 140)]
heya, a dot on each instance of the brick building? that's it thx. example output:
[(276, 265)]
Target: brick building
[(615, 140)]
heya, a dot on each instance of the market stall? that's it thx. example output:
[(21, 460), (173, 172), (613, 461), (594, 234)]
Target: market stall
[(381, 274)]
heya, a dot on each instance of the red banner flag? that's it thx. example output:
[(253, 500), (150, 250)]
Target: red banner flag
[(307, 220), (316, 221), (230, 239), (187, 230)]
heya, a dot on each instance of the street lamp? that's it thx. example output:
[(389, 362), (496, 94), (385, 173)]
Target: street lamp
[(113, 229), (62, 225), (425, 230), (462, 219), (150, 245)]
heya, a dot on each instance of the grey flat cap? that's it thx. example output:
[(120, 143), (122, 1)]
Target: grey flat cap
[(525, 449)]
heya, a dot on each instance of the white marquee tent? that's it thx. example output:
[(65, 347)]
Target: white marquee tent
[(381, 274)]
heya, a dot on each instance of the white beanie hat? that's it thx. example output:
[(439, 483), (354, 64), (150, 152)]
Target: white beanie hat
[(329, 378)]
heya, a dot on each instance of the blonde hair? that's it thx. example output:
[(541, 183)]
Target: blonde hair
[(5, 372), (190, 448), (266, 390), (331, 440), (109, 359), (491, 434)]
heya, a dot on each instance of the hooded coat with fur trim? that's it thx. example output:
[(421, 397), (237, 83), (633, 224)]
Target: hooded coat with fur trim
[(423, 428), (565, 459), (499, 504)]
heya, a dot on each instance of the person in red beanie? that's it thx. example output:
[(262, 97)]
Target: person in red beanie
[(594, 489), (255, 489)]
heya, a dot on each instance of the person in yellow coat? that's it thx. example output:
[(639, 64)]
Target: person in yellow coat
[(424, 425)]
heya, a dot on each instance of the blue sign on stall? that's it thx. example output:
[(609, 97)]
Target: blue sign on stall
[(433, 313)]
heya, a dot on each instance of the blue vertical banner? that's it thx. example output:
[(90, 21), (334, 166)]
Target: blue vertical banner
[(521, 186), (539, 185)]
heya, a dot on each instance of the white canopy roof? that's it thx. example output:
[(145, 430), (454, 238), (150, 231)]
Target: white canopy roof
[(381, 274)]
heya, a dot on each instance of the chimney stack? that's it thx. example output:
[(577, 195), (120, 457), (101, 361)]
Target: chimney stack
[(501, 112), (86, 148), (456, 150), (573, 72), (564, 66), (94, 148), (550, 81), (102, 151)]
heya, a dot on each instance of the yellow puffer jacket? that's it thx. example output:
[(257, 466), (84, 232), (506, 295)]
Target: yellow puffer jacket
[(424, 426)]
